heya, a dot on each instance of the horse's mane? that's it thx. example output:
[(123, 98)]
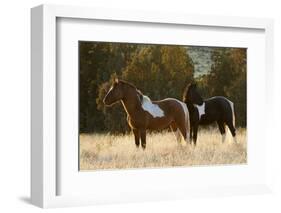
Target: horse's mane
[(191, 86), (127, 83), (131, 85), (185, 93)]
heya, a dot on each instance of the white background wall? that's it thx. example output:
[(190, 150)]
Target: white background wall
[(15, 104)]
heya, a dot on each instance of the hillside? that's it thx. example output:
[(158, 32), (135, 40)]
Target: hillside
[(201, 57)]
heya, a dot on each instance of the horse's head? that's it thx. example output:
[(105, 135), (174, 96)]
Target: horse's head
[(114, 94), (191, 95)]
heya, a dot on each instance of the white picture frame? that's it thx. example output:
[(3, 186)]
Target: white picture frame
[(44, 169)]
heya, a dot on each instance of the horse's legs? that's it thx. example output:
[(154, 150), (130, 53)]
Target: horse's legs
[(195, 130), (176, 131), (143, 138), (137, 137), (232, 129), (182, 127), (190, 132), (222, 129)]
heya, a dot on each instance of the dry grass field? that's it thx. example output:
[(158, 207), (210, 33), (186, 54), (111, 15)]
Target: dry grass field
[(105, 151)]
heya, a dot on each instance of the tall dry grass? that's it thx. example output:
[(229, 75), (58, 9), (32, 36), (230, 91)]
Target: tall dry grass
[(105, 151)]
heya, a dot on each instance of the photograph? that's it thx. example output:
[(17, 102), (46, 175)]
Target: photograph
[(161, 105)]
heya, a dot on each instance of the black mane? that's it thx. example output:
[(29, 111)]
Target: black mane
[(191, 95), (139, 93)]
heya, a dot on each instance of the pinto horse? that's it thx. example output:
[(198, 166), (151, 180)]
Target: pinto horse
[(144, 114), (203, 112)]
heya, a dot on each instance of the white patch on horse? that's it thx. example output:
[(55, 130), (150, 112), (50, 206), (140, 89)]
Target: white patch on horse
[(151, 108), (201, 109)]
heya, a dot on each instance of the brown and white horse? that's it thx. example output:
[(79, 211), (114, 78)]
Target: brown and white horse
[(144, 114)]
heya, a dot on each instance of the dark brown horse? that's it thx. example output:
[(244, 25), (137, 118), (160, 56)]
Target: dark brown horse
[(143, 114), (204, 112)]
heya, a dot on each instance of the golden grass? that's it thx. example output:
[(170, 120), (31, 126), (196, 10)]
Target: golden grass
[(105, 151)]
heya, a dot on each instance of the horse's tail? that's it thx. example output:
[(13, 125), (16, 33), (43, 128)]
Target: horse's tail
[(187, 121), (186, 118), (233, 113)]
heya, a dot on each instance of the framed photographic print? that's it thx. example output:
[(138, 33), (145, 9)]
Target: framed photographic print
[(129, 106)]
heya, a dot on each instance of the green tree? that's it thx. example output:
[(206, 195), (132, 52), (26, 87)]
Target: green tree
[(97, 62), (160, 71)]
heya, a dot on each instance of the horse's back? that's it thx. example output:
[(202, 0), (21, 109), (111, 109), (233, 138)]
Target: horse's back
[(217, 99), (219, 105), (170, 103), (174, 111), (173, 106)]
